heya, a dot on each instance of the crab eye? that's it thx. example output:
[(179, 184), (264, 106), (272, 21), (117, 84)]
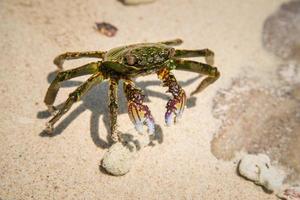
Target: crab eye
[(130, 59), (171, 52)]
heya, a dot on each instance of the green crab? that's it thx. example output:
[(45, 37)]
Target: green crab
[(125, 63)]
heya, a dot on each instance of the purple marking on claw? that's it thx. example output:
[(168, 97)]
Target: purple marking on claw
[(140, 115), (169, 118), (175, 108), (151, 126)]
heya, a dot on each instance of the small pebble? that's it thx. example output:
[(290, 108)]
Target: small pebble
[(120, 157), (258, 168), (106, 29)]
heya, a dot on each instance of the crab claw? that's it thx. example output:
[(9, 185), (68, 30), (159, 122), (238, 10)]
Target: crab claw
[(140, 115), (176, 105), (175, 108)]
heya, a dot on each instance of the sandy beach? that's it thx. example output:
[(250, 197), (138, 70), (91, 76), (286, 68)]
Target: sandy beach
[(189, 161)]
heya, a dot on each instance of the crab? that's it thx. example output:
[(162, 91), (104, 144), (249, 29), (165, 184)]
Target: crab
[(126, 63)]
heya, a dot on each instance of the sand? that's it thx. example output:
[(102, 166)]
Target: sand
[(66, 166)]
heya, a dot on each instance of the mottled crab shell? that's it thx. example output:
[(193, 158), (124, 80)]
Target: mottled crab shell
[(141, 56)]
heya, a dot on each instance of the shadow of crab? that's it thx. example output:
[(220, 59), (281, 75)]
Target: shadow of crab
[(96, 101)]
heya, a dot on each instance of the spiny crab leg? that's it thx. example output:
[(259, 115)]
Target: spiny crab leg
[(176, 105), (138, 113)]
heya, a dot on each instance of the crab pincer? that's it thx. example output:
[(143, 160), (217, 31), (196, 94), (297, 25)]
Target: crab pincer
[(138, 113), (175, 105)]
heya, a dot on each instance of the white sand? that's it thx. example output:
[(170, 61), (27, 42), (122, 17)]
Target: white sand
[(66, 166)]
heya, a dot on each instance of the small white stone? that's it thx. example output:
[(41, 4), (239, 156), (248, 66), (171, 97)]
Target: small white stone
[(250, 166), (120, 157), (258, 168)]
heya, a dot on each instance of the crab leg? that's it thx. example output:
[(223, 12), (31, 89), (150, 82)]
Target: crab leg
[(59, 60), (207, 53), (113, 109), (66, 75), (176, 105), (138, 113), (201, 68), (74, 97)]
